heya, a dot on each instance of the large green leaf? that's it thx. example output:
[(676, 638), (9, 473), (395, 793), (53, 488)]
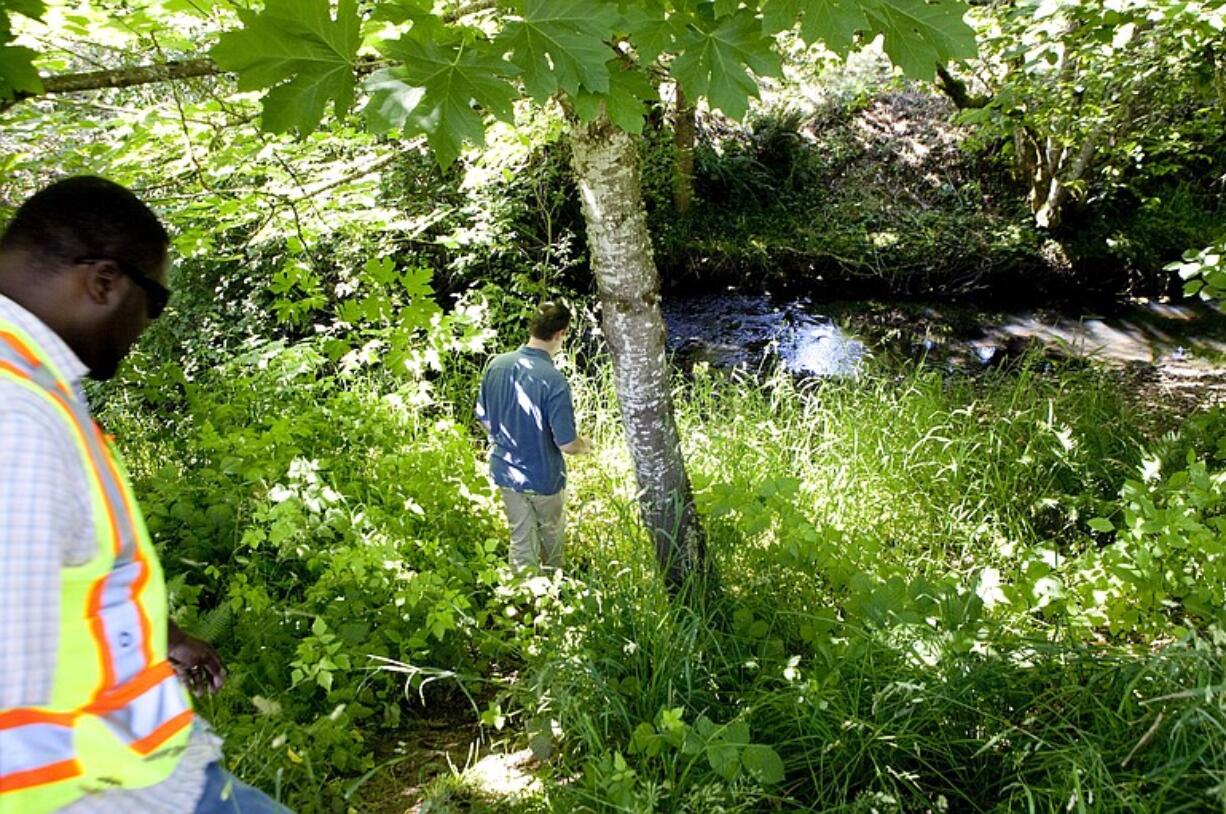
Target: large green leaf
[(763, 763), (921, 34), (17, 72), (717, 58), (629, 88), (297, 49), (834, 23), (561, 44), (918, 34), (34, 9), (437, 92), (427, 26), (652, 29)]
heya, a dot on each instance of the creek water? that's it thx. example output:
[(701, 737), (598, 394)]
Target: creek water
[(1182, 340)]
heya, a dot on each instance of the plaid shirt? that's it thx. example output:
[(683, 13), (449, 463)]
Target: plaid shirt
[(46, 522)]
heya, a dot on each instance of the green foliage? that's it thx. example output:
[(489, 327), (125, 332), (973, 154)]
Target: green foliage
[(711, 64), (919, 35), (559, 45), (850, 199), (449, 79), (452, 74), (302, 53), (1100, 98), (907, 578), (1203, 272), (879, 625), (624, 104), (306, 527), (1162, 573), (17, 71)]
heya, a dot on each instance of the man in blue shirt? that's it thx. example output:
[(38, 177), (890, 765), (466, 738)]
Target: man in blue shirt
[(526, 408)]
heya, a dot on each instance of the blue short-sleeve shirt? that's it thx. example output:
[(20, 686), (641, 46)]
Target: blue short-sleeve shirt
[(525, 404)]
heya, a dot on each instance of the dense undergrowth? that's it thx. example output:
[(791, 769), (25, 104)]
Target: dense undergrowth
[(929, 592), (877, 190)]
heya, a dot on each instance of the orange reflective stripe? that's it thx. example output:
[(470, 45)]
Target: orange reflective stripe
[(25, 716), (138, 584), (120, 697), (138, 587), (97, 629), (16, 371), (163, 733), (24, 352), (40, 776)]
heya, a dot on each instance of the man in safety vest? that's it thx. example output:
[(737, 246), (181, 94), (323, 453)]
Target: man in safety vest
[(94, 716)]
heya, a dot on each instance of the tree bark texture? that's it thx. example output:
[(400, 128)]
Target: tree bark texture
[(606, 165), (683, 153)]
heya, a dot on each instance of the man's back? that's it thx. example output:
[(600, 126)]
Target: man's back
[(526, 405)]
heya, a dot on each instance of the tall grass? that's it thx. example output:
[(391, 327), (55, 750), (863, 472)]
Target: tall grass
[(877, 640), (851, 522)]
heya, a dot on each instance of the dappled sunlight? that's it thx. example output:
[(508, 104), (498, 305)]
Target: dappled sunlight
[(1153, 333), (528, 406), (504, 774)]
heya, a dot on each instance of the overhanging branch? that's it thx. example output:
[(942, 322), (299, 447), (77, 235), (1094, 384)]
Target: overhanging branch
[(187, 69), (118, 78)]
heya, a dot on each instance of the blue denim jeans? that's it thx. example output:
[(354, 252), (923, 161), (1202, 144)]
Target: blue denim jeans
[(226, 794)]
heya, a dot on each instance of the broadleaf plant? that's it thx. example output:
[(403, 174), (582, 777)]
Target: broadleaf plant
[(301, 54), (452, 69), (17, 72)]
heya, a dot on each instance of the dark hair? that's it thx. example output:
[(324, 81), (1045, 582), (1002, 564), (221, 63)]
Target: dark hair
[(548, 319), (85, 216)]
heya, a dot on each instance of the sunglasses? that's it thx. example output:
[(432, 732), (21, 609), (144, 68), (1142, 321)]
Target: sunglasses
[(157, 295)]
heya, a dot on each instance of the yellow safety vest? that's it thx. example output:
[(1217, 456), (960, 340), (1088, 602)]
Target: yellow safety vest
[(118, 716)]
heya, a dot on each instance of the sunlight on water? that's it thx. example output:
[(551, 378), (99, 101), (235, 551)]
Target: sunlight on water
[(755, 331), (737, 330)]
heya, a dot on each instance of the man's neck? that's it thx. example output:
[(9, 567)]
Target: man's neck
[(541, 344)]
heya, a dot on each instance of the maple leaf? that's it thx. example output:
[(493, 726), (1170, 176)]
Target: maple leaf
[(34, 9), (652, 29), (921, 34), (440, 92), (17, 72), (560, 44), (716, 62), (628, 90), (834, 23), (297, 50)]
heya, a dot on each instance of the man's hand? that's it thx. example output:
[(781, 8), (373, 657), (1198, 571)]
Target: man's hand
[(580, 446), (196, 662)]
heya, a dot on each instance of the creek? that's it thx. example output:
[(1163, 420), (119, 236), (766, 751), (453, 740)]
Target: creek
[(1184, 343)]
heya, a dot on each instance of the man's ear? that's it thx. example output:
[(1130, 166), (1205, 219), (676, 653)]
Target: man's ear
[(101, 280)]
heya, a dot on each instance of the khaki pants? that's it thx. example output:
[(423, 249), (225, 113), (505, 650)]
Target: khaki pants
[(537, 523)]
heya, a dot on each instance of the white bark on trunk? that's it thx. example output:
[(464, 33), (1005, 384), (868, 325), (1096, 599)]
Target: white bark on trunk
[(606, 165)]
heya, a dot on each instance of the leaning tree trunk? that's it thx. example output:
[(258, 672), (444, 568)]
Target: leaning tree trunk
[(606, 165)]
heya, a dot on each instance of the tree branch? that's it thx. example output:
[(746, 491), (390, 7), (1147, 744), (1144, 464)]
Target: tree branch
[(186, 69), (118, 78), (957, 91)]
